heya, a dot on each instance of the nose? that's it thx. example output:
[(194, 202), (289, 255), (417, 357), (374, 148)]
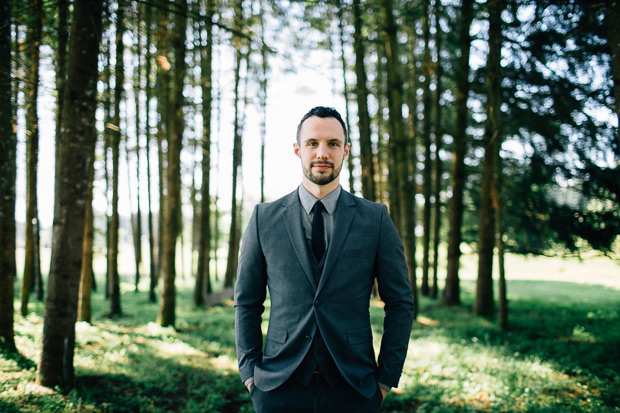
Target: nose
[(321, 152)]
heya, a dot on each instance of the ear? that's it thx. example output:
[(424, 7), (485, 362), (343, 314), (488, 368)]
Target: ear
[(296, 148), (347, 149)]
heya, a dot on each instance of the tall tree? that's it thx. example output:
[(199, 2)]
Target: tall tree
[(86, 278), (75, 146), (451, 292), (8, 167), (262, 97), (235, 230), (361, 92), (119, 79), (33, 43), (149, 92), (175, 140), (138, 125), (203, 278), (426, 138), (437, 170), (398, 142), (484, 304)]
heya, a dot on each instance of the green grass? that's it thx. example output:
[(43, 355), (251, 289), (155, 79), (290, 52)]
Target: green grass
[(562, 354)]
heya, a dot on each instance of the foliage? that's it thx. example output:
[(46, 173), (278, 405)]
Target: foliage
[(560, 355)]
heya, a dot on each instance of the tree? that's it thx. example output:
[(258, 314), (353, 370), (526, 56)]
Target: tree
[(75, 146), (203, 279), (172, 204), (451, 292), (398, 142), (235, 226), (437, 169), (8, 167), (119, 75), (426, 139), (484, 305), (33, 43), (361, 92), (86, 278)]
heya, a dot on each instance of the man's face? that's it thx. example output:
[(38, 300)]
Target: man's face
[(321, 149)]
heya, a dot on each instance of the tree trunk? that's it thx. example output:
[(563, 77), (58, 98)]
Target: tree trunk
[(75, 146), (149, 92), (163, 109), (347, 117), (86, 278), (33, 42), (137, 91), (484, 305), (203, 277), (234, 234), (8, 168), (398, 141), (172, 207), (437, 170), (119, 73), (262, 97), (426, 138), (451, 292), (361, 91)]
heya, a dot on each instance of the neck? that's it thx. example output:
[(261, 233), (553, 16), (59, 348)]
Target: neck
[(320, 191)]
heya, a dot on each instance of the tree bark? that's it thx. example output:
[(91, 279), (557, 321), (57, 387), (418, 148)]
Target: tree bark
[(149, 94), (398, 141), (86, 278), (426, 138), (484, 305), (75, 146), (119, 73), (203, 277), (137, 91), (437, 170), (451, 292), (234, 234), (172, 208), (8, 168), (361, 91), (33, 42)]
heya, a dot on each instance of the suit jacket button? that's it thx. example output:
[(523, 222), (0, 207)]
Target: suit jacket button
[(307, 338)]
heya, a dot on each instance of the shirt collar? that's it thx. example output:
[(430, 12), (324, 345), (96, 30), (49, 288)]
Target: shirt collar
[(330, 201)]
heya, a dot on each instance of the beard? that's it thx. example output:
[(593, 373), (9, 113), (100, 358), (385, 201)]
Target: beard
[(322, 179)]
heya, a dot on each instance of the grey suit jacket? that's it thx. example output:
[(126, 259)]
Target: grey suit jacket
[(275, 256)]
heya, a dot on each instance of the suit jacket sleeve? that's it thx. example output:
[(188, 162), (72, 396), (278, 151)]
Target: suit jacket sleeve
[(395, 291), (249, 299)]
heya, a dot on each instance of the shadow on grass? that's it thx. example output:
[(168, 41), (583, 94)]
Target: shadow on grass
[(572, 326), (20, 360)]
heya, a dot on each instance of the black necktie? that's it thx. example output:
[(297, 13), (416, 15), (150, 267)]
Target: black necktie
[(318, 233)]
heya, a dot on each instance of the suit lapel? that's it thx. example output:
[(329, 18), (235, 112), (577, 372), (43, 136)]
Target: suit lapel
[(345, 212), (294, 226)]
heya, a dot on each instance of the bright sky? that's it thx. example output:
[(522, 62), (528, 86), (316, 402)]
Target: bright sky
[(290, 96)]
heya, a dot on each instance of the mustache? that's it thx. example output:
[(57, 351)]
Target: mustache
[(330, 164)]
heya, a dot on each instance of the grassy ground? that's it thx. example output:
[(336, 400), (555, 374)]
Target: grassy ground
[(562, 354)]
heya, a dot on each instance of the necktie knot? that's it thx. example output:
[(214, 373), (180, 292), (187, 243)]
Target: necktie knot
[(318, 231)]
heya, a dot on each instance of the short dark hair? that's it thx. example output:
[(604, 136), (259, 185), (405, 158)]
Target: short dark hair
[(324, 112)]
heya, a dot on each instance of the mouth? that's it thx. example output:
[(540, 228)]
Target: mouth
[(322, 166)]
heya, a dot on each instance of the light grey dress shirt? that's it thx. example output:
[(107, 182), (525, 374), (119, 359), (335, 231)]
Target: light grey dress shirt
[(330, 202)]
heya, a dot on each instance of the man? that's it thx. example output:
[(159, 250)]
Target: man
[(319, 251)]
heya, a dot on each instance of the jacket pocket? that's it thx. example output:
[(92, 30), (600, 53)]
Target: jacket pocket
[(276, 337), (359, 335)]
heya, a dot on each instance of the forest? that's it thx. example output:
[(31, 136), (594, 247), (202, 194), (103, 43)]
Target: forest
[(137, 135)]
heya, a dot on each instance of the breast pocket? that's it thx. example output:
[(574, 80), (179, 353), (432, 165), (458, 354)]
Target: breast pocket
[(276, 337)]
